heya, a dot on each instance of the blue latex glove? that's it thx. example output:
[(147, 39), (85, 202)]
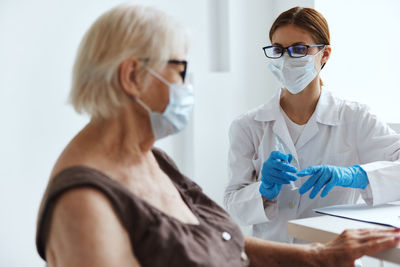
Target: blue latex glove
[(275, 172), (331, 176)]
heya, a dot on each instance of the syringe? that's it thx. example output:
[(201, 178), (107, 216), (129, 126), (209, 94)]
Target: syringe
[(280, 148)]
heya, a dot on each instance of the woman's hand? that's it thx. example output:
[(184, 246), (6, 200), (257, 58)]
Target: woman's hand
[(328, 176), (353, 244), (342, 251), (275, 172)]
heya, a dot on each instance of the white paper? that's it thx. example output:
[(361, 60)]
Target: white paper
[(387, 214)]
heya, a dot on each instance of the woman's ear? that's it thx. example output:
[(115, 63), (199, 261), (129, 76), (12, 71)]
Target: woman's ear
[(326, 54), (127, 76)]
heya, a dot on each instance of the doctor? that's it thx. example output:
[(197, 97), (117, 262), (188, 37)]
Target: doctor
[(305, 148)]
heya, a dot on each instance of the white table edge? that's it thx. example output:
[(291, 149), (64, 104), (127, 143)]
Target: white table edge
[(325, 228)]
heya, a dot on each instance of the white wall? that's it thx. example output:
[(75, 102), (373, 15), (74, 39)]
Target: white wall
[(364, 65), (37, 48)]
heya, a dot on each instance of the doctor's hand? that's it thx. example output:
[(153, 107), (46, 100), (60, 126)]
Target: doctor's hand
[(275, 172), (328, 176)]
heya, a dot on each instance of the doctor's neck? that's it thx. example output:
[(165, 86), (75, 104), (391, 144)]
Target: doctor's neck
[(301, 106)]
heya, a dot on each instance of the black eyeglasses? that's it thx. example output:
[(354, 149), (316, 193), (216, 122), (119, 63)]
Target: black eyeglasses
[(296, 51), (180, 62), (174, 62)]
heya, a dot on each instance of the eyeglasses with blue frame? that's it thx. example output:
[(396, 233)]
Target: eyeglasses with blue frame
[(295, 51)]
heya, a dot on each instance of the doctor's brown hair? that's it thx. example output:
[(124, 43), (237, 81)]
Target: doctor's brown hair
[(306, 18)]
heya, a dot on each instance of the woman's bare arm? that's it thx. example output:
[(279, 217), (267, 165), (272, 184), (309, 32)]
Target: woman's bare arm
[(85, 231), (268, 253), (342, 251)]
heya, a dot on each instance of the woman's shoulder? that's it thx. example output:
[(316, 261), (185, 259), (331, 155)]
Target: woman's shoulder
[(82, 217), (252, 121), (82, 204), (333, 100), (259, 115), (341, 111), (71, 156), (251, 114), (74, 192)]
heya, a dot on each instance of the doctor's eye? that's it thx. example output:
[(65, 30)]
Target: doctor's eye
[(298, 50), (273, 51), (277, 50)]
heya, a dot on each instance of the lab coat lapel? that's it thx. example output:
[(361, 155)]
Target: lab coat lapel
[(272, 112), (326, 113), (281, 131), (309, 132), (280, 128)]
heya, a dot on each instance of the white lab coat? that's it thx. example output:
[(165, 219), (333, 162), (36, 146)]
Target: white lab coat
[(340, 133)]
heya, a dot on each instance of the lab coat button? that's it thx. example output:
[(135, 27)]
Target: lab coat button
[(226, 236), (243, 256), (292, 204)]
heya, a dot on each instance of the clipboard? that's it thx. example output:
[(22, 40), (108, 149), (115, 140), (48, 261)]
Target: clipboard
[(386, 214)]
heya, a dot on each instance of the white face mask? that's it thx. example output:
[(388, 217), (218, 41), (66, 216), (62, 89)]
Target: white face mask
[(294, 73), (177, 113)]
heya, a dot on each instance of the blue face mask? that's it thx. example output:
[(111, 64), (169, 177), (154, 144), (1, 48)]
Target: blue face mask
[(177, 113)]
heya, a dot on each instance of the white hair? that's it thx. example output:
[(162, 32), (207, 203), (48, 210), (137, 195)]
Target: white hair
[(120, 33)]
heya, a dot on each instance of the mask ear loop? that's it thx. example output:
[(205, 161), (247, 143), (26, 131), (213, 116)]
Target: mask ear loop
[(323, 64), (158, 76), (140, 102)]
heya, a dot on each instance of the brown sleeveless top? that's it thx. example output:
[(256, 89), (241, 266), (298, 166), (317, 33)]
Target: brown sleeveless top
[(156, 238)]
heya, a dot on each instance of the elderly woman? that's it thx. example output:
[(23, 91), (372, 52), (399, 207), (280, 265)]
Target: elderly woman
[(114, 200)]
